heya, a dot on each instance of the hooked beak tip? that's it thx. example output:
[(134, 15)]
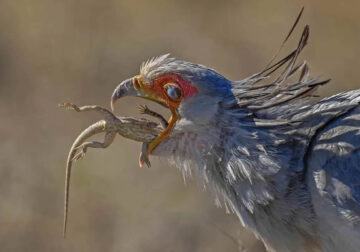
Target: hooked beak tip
[(125, 88), (114, 97), (112, 105)]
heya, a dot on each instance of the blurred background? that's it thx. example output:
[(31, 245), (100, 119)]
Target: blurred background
[(78, 51)]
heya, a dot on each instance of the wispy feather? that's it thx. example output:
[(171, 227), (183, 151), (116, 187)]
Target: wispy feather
[(255, 94)]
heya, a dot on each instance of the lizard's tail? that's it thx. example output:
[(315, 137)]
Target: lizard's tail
[(93, 129)]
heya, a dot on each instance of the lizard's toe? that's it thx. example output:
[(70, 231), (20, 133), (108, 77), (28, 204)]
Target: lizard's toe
[(143, 157), (142, 109), (81, 154)]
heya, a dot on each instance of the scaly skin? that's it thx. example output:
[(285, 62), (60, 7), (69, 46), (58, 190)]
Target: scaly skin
[(135, 129)]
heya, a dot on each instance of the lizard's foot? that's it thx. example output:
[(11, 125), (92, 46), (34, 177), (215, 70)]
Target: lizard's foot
[(144, 157), (82, 148), (143, 109), (81, 153), (69, 105)]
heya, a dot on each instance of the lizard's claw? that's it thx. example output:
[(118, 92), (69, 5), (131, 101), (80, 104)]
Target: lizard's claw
[(81, 154), (143, 109), (144, 157)]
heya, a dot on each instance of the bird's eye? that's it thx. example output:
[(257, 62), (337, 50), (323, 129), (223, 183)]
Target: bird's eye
[(173, 91)]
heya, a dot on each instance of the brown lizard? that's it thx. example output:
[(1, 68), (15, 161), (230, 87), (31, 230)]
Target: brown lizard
[(140, 130)]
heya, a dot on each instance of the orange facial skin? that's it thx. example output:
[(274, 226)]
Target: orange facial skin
[(156, 91)]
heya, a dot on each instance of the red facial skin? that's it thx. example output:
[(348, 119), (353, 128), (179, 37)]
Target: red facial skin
[(157, 89)]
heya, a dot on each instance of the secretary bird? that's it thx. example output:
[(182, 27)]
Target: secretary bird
[(289, 169)]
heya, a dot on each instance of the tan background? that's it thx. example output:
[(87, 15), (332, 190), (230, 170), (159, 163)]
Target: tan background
[(55, 51)]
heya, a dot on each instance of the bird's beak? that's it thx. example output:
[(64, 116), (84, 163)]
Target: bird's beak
[(131, 87), (125, 88), (135, 87)]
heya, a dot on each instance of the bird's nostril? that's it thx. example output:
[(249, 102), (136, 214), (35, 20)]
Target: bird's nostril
[(136, 83)]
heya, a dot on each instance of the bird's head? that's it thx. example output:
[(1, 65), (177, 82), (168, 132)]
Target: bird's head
[(190, 91), (235, 134)]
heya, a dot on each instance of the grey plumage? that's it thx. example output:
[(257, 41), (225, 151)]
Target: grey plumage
[(287, 168), (283, 181)]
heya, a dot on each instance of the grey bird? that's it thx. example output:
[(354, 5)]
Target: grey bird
[(289, 169)]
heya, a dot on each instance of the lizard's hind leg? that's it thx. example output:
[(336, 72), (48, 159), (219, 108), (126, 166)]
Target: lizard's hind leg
[(108, 139)]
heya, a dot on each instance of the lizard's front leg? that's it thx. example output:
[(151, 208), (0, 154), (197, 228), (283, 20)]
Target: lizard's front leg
[(146, 111), (108, 116)]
